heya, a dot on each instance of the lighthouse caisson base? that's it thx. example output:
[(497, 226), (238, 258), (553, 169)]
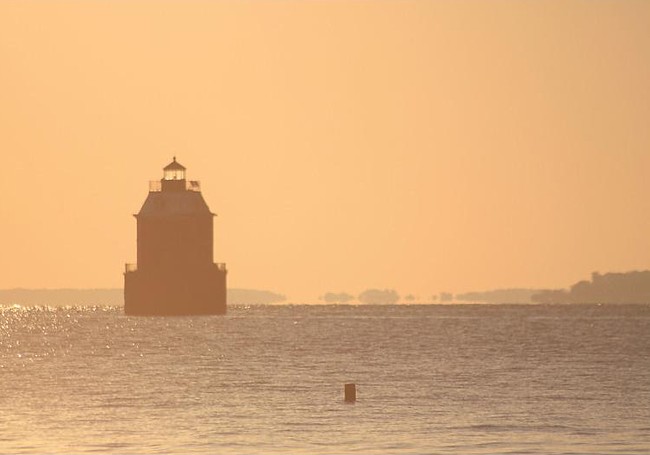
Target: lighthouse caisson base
[(175, 274), (202, 293)]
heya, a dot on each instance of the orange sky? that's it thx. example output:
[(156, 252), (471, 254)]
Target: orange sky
[(424, 146)]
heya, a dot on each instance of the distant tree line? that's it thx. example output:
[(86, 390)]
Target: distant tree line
[(369, 296), (517, 295), (382, 297), (379, 297)]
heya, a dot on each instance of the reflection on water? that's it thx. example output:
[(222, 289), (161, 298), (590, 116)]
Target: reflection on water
[(430, 379)]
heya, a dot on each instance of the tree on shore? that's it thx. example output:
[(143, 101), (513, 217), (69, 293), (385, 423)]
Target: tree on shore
[(379, 297)]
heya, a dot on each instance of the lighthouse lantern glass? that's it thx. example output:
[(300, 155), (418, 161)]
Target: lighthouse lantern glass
[(174, 174)]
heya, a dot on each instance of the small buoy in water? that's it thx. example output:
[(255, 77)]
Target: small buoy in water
[(350, 393)]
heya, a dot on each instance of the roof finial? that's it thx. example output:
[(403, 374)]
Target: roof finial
[(174, 159)]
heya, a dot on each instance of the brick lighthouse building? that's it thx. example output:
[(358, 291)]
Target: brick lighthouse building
[(175, 273)]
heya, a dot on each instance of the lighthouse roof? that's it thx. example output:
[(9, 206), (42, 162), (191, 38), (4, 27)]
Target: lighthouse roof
[(174, 166), (172, 203)]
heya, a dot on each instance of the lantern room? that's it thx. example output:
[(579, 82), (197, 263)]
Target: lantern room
[(174, 171), (173, 177)]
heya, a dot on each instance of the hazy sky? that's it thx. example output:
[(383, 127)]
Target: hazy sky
[(416, 145)]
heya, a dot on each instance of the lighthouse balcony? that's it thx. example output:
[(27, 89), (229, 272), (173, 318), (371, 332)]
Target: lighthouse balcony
[(156, 186)]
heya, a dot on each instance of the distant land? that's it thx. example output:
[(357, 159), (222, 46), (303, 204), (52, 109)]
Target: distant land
[(517, 295), (628, 287), (114, 297)]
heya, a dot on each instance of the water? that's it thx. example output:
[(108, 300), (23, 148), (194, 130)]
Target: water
[(464, 379)]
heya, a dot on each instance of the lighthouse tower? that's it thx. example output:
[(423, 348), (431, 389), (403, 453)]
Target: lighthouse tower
[(175, 273)]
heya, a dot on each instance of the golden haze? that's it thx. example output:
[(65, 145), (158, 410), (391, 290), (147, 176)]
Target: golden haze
[(418, 145)]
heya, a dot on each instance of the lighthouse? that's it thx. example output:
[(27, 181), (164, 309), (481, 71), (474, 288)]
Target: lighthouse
[(175, 273)]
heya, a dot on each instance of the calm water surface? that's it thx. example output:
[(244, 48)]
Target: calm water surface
[(464, 379)]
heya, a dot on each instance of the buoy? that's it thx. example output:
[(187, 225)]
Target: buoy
[(350, 393)]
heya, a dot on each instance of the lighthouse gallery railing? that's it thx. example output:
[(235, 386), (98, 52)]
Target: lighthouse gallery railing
[(155, 186)]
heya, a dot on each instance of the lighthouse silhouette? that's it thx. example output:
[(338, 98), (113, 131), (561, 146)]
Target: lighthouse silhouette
[(175, 273)]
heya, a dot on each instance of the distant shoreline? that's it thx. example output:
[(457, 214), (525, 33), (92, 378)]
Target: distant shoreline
[(8, 305), (113, 297), (629, 288)]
